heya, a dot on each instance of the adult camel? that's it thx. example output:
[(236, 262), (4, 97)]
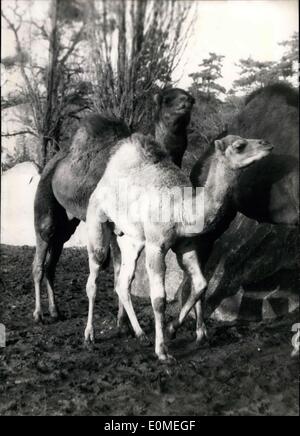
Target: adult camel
[(267, 192), (69, 179)]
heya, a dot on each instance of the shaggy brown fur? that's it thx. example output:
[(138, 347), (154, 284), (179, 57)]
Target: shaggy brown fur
[(271, 113), (276, 89), (151, 149), (172, 116), (269, 191)]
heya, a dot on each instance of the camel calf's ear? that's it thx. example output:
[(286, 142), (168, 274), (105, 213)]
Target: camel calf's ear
[(220, 145)]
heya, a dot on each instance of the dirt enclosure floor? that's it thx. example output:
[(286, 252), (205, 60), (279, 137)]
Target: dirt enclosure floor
[(245, 369)]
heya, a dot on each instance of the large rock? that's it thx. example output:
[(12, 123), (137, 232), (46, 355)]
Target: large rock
[(258, 258), (174, 276)]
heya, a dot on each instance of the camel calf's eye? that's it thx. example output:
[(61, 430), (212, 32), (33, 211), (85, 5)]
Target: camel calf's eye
[(239, 146)]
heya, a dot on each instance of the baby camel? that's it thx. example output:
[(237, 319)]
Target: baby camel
[(138, 162)]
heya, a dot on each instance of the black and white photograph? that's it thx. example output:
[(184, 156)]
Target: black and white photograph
[(149, 210)]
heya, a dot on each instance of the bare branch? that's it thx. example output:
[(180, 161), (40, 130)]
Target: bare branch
[(41, 28), (151, 35), (20, 132), (73, 45), (15, 29)]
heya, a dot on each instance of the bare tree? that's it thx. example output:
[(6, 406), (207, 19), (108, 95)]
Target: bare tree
[(126, 49), (48, 88), (134, 48)]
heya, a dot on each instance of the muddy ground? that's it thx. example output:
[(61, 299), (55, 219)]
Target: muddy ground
[(246, 369)]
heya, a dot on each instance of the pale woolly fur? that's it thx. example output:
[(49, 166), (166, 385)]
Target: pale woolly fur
[(139, 159), (139, 162)]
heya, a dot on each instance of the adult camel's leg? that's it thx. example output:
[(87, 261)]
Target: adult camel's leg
[(61, 230), (189, 262), (54, 254), (201, 331), (204, 245), (52, 228), (123, 320), (38, 273), (156, 268), (130, 251)]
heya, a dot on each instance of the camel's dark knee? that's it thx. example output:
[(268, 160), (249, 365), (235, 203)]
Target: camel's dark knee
[(45, 228), (159, 305), (100, 255), (37, 271)]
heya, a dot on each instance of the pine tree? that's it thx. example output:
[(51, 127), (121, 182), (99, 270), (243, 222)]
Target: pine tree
[(205, 81)]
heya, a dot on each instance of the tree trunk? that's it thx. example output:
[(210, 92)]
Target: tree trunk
[(52, 82)]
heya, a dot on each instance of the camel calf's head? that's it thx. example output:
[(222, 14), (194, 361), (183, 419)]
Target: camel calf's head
[(240, 152), (173, 105)]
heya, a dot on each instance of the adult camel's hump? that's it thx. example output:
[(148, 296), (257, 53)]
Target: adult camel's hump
[(273, 186), (271, 113), (78, 173)]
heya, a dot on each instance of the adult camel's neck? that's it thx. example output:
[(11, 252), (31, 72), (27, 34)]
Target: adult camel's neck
[(173, 138), (215, 196)]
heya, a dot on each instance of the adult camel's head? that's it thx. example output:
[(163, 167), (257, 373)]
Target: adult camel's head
[(173, 106), (172, 116), (238, 152)]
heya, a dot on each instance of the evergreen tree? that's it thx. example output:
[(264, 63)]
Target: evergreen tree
[(205, 81)]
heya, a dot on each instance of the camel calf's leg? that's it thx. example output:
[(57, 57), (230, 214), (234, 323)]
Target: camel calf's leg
[(98, 249), (91, 289), (38, 273), (156, 268), (130, 251), (189, 262)]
